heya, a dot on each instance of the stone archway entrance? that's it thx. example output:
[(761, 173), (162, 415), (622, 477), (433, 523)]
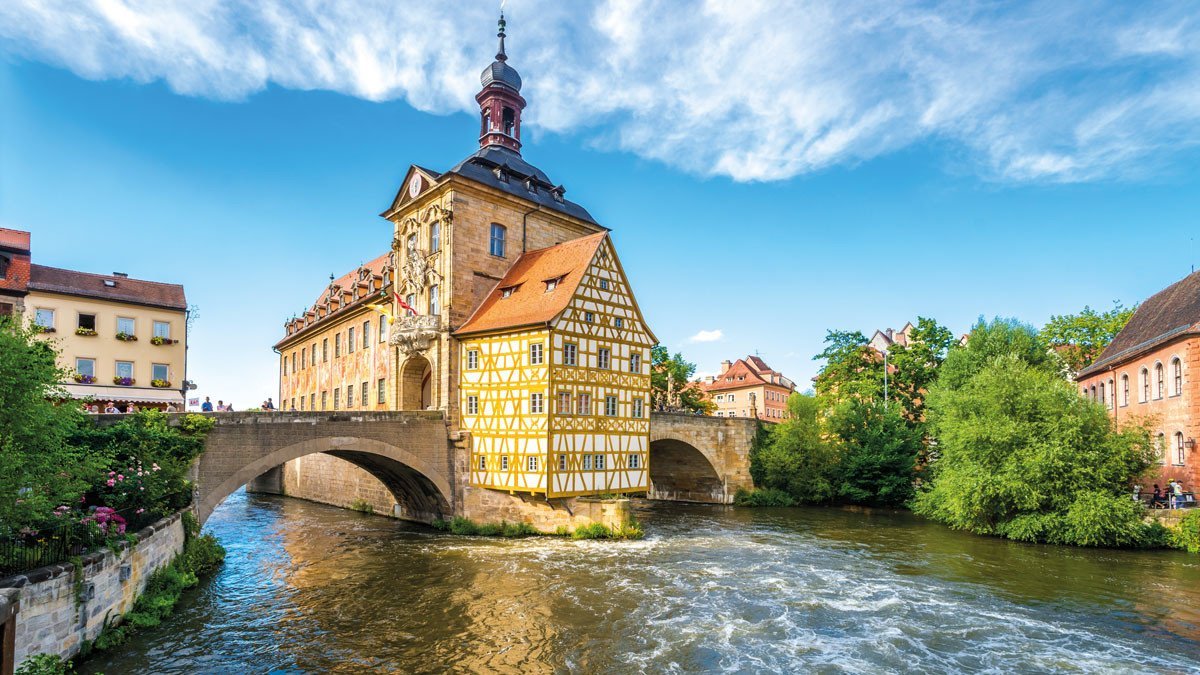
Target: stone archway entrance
[(416, 383), (680, 472)]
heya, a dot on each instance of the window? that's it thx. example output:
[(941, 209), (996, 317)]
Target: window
[(564, 403), (433, 300), (314, 354), (337, 398), (587, 462), (598, 462), (472, 359), (533, 463), (1159, 380), (552, 284), (366, 335), (610, 406), (535, 354), (482, 463), (126, 325), (637, 407), (382, 331), (536, 404), (603, 359), (125, 369), (1124, 390), (604, 284), (583, 404), (87, 321), (412, 243), (349, 396), (350, 340), (1145, 385), (301, 403), (4, 262), (435, 237), (411, 301), (504, 462), (562, 462), (366, 391), (635, 363), (472, 405), (44, 318), (1179, 448), (496, 247), (507, 291), (619, 322), (325, 349), (162, 329), (293, 362), (589, 317), (1103, 398), (86, 367), (303, 358), (312, 401), (337, 345), (1094, 392), (635, 461), (570, 354), (730, 398), (381, 392), (160, 371), (1177, 376)]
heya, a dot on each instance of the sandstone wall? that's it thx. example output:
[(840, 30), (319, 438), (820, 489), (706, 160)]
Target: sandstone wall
[(49, 618)]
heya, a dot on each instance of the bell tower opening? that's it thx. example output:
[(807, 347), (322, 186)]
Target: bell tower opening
[(500, 101)]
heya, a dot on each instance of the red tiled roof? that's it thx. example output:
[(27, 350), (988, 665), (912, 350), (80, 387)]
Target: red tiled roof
[(294, 327), (530, 304), (122, 289), (1173, 311), (739, 369), (14, 239), (346, 281)]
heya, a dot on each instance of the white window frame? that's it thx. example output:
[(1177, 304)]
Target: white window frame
[(570, 354), (562, 462), (583, 403), (587, 462), (598, 462), (166, 371), (37, 316), (164, 334), (537, 403), (504, 462), (637, 408), (537, 354), (611, 406), (531, 463), (635, 363), (117, 369), (604, 358), (472, 405), (434, 305), (82, 359), (132, 324), (472, 359), (635, 461)]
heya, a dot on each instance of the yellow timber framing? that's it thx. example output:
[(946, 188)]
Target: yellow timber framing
[(570, 444)]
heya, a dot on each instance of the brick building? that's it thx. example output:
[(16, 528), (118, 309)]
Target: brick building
[(1148, 372), (732, 390)]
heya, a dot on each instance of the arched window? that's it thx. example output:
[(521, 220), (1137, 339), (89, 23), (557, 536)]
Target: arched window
[(1179, 448), (1103, 398), (1145, 385), (497, 245), (1177, 376), (1124, 390), (510, 121), (1159, 380), (435, 237), (1093, 392)]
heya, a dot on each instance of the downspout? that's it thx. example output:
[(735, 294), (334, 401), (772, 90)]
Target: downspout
[(525, 223)]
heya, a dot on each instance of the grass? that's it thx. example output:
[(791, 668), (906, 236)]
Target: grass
[(362, 506), (465, 526)]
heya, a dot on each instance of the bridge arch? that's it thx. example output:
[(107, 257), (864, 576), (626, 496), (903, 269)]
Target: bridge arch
[(679, 471), (699, 459)]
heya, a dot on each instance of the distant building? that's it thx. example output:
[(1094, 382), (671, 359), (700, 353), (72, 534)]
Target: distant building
[(731, 390), (1147, 372), (883, 340), (120, 339)]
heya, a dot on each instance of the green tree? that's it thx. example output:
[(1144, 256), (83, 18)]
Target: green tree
[(914, 367), (796, 458), (853, 369), (877, 456), (663, 363), (1081, 338), (989, 340), (39, 469), (1022, 455)]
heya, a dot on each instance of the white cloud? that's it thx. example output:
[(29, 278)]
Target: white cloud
[(707, 336), (755, 90)]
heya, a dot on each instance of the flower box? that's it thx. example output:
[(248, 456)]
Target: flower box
[(126, 337), (86, 332), (85, 379), (124, 381), (159, 340), (46, 329), (161, 384)]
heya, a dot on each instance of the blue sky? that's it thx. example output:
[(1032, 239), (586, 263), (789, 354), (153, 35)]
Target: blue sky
[(847, 168)]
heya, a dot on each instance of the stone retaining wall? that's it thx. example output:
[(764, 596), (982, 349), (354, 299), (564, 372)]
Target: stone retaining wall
[(50, 620)]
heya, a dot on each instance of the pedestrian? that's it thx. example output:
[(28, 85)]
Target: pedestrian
[(95, 409), (1137, 493), (132, 408), (171, 408), (1176, 494), (110, 409), (1157, 501), (220, 405), (270, 404), (229, 407), (206, 406)]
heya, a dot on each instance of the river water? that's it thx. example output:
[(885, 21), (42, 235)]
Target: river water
[(308, 588)]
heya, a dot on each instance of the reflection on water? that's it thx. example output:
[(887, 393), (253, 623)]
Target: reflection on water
[(309, 588)]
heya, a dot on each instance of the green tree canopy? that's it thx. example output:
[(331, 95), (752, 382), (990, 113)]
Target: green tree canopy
[(914, 367), (663, 363), (795, 458), (1081, 338), (991, 339), (877, 453), (853, 369)]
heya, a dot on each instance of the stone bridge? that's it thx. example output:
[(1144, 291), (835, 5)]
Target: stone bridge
[(423, 464)]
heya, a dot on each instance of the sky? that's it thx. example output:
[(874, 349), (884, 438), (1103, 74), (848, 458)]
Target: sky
[(770, 170)]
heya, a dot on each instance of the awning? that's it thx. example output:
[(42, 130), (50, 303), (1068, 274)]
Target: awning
[(134, 394)]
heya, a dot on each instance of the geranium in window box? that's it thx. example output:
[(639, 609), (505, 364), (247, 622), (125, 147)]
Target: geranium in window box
[(161, 384), (85, 379), (160, 340), (124, 381), (126, 337), (46, 329), (86, 332)]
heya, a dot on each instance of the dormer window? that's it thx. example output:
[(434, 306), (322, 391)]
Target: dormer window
[(530, 185), (110, 283), (552, 284), (507, 291), (501, 174), (557, 193)]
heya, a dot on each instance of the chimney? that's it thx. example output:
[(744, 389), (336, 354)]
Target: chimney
[(123, 275), (725, 366)]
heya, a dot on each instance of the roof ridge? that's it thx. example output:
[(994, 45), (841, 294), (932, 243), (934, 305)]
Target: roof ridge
[(105, 276)]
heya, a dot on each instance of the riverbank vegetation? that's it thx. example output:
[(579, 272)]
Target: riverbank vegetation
[(988, 437), (461, 525), (67, 484)]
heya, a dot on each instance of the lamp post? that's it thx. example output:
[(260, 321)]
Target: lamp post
[(885, 379)]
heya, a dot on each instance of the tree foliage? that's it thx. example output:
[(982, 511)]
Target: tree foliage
[(877, 451), (663, 364), (795, 458), (914, 366), (1081, 338), (991, 339), (852, 369)]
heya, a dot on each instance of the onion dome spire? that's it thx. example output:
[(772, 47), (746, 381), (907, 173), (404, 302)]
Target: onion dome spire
[(500, 102)]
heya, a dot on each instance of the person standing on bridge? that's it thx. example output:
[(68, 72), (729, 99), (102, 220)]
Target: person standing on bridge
[(207, 405)]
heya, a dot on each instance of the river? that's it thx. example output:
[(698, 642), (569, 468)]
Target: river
[(308, 588)]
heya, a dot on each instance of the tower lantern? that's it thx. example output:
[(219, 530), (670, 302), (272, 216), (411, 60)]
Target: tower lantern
[(500, 102)]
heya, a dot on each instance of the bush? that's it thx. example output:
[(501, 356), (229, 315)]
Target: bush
[(877, 457), (1187, 535), (630, 529), (794, 458), (763, 497), (362, 506), (45, 664)]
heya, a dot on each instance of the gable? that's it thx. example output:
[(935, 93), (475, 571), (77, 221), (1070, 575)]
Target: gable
[(605, 293), (417, 180)]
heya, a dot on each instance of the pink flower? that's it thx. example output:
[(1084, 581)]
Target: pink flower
[(140, 511), (112, 473), (120, 477), (110, 482)]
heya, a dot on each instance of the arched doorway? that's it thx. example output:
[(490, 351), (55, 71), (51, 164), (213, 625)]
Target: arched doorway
[(680, 472), (416, 384)]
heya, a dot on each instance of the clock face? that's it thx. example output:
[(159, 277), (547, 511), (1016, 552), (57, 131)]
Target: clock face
[(414, 186)]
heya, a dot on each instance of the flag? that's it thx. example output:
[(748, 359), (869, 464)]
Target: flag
[(401, 303)]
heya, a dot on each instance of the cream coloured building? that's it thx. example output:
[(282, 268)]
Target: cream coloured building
[(120, 339)]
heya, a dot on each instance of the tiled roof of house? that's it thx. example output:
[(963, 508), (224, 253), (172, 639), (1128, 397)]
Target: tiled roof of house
[(738, 376), (1173, 311), (346, 281), (14, 239), (365, 274), (107, 287), (529, 303)]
